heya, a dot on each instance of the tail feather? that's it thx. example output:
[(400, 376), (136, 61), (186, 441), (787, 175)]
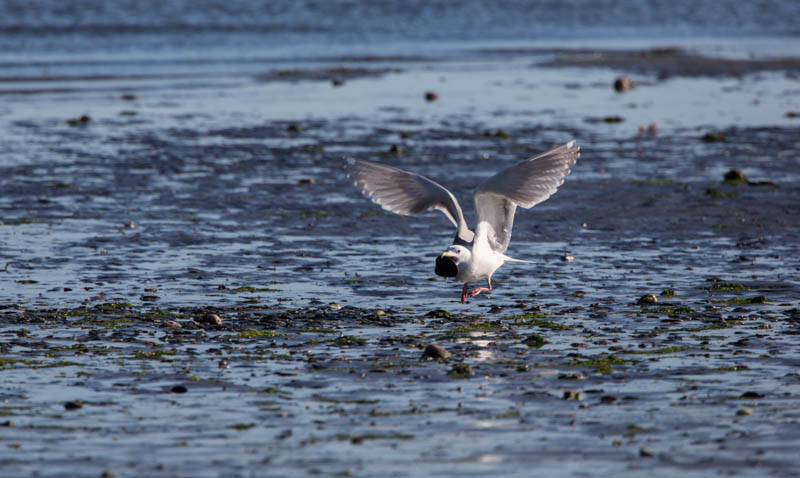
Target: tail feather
[(507, 259)]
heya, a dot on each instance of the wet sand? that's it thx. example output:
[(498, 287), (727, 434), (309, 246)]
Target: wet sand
[(125, 232)]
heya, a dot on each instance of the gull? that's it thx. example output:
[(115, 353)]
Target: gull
[(473, 255)]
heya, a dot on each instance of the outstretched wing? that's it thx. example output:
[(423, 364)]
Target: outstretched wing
[(525, 184), (406, 193)]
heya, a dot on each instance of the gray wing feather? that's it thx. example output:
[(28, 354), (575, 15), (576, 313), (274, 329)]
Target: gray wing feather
[(405, 193), (524, 184)]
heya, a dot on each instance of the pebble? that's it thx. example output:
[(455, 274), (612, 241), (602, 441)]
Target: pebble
[(179, 389), (130, 225), (431, 96), (435, 352), (567, 257), (608, 399), (646, 452), (73, 405), (210, 319), (744, 411), (623, 84), (335, 306), (307, 181), (171, 324), (572, 395), (647, 299), (380, 313)]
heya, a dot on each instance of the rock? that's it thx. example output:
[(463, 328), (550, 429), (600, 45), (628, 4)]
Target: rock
[(646, 452), (734, 176), (744, 411), (647, 299), (179, 389), (149, 298), (307, 181), (431, 96), (623, 84), (572, 395), (713, 138), (380, 313), (82, 121), (171, 324), (461, 371), (75, 405), (435, 352), (578, 293), (335, 306), (534, 341), (572, 376), (567, 257), (439, 314), (210, 319), (130, 225), (294, 128), (608, 399), (751, 395)]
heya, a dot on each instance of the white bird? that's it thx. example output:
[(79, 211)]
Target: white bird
[(477, 255)]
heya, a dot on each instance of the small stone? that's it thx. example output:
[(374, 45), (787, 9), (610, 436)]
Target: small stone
[(75, 405), (744, 411), (380, 313), (578, 293), (130, 225), (608, 399), (647, 299), (572, 376), (435, 352), (713, 138), (222, 364), (294, 128), (751, 395), (567, 257), (461, 371), (623, 84), (222, 287), (307, 181), (179, 389), (210, 319), (734, 176), (149, 298), (431, 96), (646, 452), (171, 324), (335, 306), (572, 395)]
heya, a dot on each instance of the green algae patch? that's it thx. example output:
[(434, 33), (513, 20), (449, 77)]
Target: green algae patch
[(662, 350), (731, 368), (461, 371), (726, 287), (153, 355), (537, 319), (717, 194), (254, 334), (600, 364), (742, 301), (671, 310), (477, 327), (534, 341), (247, 288), (722, 324), (349, 340)]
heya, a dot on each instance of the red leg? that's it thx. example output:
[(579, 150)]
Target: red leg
[(464, 292), (478, 290)]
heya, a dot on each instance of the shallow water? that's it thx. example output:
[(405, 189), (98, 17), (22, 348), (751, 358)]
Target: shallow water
[(214, 187)]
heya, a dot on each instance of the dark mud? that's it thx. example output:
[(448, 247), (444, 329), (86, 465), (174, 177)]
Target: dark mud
[(669, 62), (125, 234)]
